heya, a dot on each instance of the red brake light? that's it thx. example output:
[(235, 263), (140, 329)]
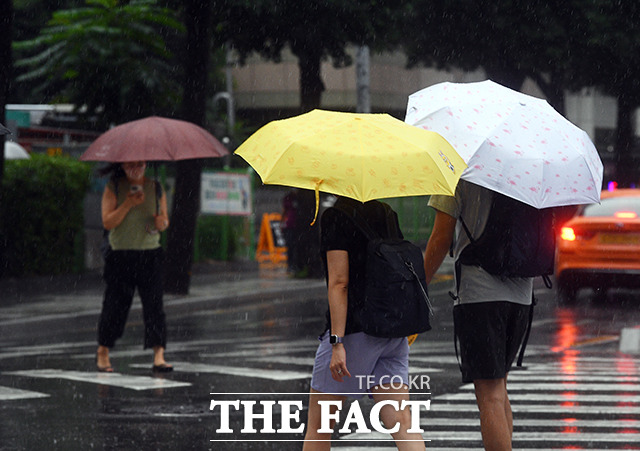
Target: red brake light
[(626, 214), (567, 234)]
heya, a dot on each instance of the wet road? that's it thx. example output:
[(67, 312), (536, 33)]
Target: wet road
[(253, 339)]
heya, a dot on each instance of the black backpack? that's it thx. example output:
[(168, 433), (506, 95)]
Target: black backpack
[(517, 241), (396, 302)]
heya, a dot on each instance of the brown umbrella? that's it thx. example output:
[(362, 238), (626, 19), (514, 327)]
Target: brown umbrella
[(154, 139)]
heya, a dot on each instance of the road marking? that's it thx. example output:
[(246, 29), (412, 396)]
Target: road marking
[(558, 408), (276, 375), (525, 423), (441, 359), (571, 386), (566, 397), (545, 377), (528, 437), (309, 361), (10, 394), (113, 379)]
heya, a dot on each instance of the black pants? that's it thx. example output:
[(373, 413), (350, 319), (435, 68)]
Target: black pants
[(125, 271)]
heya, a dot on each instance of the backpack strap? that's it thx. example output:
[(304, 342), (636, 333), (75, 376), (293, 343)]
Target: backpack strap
[(523, 346)]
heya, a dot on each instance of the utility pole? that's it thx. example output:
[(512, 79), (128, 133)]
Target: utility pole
[(362, 80)]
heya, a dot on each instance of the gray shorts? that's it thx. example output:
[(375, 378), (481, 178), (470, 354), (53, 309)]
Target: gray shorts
[(370, 360)]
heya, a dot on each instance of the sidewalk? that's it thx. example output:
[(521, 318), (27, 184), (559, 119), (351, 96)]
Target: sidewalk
[(33, 299), (36, 298)]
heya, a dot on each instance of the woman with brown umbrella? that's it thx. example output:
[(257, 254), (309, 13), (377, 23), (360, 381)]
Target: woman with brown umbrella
[(134, 210)]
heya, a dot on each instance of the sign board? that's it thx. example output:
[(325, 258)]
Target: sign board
[(271, 246), (225, 193)]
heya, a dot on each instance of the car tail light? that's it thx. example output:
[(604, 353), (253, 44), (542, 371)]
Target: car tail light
[(626, 214), (567, 234)]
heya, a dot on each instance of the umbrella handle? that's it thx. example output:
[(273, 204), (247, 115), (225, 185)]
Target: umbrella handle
[(317, 189), (155, 188)]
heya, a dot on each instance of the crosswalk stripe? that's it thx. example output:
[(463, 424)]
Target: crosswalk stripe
[(113, 379), (529, 437), (308, 361), (563, 397), (551, 409), (626, 387), (572, 378), (522, 423), (276, 375), (10, 394)]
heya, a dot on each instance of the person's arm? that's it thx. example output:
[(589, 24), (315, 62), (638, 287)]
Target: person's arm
[(162, 218), (112, 214), (439, 243), (337, 289)]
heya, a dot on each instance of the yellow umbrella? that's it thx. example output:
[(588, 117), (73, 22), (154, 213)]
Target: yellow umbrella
[(362, 156)]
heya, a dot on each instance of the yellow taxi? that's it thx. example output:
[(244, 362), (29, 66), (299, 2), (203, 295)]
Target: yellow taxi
[(599, 247)]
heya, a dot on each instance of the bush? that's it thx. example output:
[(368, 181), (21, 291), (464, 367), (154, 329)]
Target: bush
[(41, 216), (214, 231)]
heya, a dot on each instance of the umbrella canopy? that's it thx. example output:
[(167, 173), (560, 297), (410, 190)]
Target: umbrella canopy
[(512, 143), (14, 151), (362, 156), (154, 139)]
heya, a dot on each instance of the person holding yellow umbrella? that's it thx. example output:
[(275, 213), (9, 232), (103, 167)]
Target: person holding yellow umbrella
[(360, 158)]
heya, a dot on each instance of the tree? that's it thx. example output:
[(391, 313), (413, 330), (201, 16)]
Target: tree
[(313, 30), (109, 57), (197, 14), (509, 39), (6, 63), (609, 57)]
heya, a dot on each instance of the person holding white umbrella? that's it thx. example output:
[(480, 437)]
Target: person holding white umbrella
[(519, 146), (490, 312)]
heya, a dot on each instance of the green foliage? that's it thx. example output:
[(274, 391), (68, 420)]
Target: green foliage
[(221, 237), (109, 56), (314, 31), (509, 39), (41, 216)]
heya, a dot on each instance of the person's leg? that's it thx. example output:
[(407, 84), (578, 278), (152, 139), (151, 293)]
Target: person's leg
[(507, 410), (314, 440), (390, 416), (118, 297), (150, 289), (496, 422)]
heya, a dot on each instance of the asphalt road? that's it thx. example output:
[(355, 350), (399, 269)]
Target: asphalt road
[(252, 337)]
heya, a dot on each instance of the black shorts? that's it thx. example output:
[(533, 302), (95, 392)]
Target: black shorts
[(489, 335)]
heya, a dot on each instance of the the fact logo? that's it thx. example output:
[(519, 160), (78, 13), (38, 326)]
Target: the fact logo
[(260, 416), (290, 414)]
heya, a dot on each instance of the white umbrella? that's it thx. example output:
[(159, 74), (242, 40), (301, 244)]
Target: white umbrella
[(513, 143), (14, 151)]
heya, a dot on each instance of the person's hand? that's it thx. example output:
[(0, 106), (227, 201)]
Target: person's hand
[(161, 222), (136, 198), (338, 365)]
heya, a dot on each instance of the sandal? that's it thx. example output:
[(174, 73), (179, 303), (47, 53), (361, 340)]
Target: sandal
[(103, 369), (162, 368)]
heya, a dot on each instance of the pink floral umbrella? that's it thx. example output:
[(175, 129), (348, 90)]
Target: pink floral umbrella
[(513, 143)]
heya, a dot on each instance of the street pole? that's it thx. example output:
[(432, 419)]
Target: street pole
[(362, 80)]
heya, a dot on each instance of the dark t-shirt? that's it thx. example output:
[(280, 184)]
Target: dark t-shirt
[(338, 232)]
